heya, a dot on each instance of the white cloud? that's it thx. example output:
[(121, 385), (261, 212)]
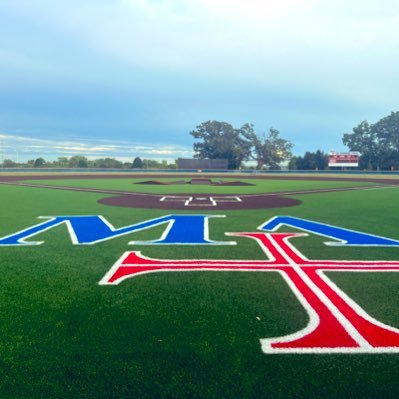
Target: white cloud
[(255, 9), (227, 9), (309, 44), (24, 148), (269, 43)]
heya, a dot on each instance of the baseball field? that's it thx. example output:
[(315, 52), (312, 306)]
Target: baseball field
[(199, 286)]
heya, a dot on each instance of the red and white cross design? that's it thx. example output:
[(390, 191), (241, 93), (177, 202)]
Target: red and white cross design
[(336, 323)]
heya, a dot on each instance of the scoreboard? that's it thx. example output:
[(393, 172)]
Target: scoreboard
[(199, 164), (344, 160)]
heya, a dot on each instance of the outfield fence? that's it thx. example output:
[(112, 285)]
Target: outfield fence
[(179, 171)]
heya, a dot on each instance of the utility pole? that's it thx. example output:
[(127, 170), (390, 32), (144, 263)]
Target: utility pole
[(1, 153)]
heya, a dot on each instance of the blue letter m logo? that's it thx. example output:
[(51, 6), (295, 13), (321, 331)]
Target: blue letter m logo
[(88, 230)]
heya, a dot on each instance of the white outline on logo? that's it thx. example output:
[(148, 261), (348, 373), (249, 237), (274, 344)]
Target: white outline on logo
[(334, 310)]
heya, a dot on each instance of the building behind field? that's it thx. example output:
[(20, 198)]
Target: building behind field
[(201, 164)]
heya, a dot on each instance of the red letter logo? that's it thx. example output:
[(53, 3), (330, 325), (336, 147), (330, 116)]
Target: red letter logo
[(336, 323)]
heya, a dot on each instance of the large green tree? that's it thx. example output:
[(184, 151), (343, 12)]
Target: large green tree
[(310, 161), (387, 131), (220, 140), (9, 163), (61, 161), (78, 161), (39, 162), (137, 163), (378, 143), (268, 150), (107, 163)]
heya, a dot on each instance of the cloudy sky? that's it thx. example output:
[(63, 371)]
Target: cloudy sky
[(122, 78)]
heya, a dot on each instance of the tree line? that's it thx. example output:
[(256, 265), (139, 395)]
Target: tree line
[(237, 145), (377, 143), (221, 140), (80, 161)]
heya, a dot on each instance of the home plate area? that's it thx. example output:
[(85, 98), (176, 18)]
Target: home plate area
[(200, 201)]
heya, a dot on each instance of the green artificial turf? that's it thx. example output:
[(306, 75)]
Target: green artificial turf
[(258, 185), (180, 335)]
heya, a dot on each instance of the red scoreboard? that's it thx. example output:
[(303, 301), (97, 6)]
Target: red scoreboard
[(344, 160)]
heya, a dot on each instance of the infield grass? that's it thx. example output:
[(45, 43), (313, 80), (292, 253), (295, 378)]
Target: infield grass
[(258, 186)]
